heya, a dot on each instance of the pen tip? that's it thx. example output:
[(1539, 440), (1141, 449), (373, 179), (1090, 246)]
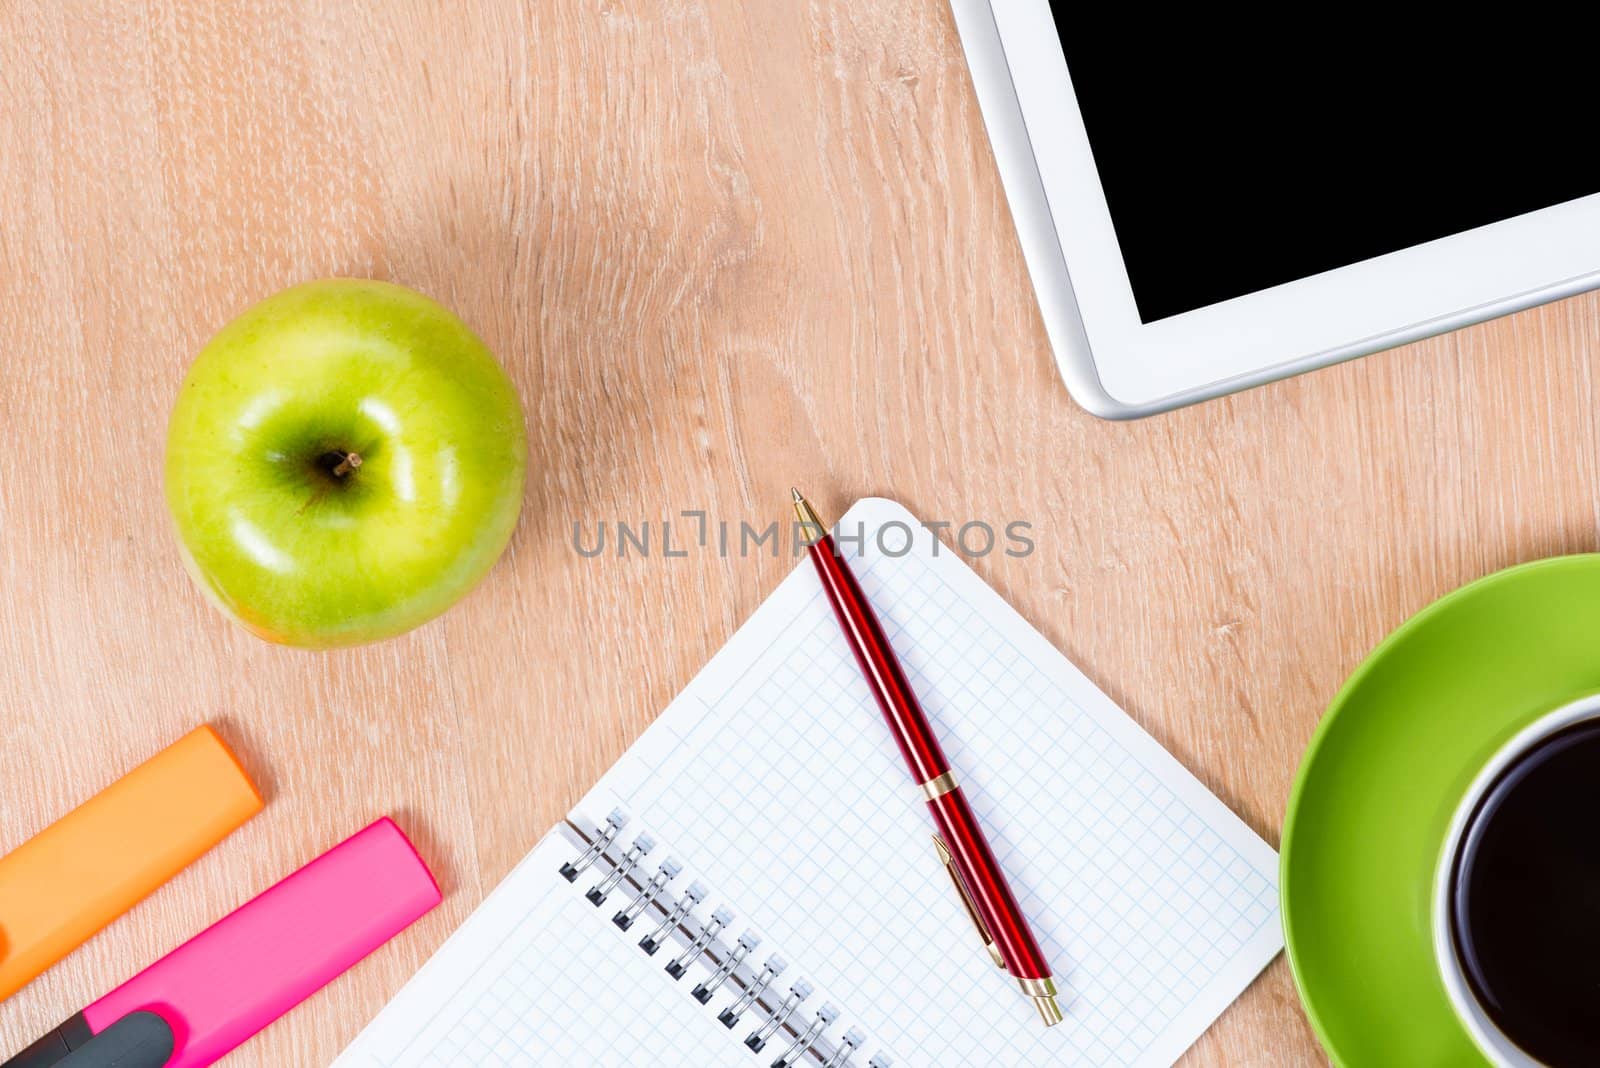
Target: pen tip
[(797, 497)]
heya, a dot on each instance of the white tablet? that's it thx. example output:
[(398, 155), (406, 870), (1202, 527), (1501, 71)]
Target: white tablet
[(1207, 201)]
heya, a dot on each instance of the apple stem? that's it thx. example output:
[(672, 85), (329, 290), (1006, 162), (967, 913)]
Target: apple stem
[(339, 465)]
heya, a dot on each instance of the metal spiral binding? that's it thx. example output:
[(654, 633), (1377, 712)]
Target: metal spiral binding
[(702, 941), (802, 1042), (847, 1045), (691, 897), (630, 860), (747, 942), (798, 992), (665, 874), (769, 971), (602, 841), (807, 1045)]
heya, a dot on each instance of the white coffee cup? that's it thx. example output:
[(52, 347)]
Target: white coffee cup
[(1491, 1041)]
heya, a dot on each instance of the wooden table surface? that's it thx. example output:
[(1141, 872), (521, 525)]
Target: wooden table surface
[(723, 246)]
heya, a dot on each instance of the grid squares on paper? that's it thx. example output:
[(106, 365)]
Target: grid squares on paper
[(786, 793), (773, 779)]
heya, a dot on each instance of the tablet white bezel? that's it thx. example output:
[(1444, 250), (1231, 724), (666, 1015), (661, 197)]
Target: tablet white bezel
[(1275, 332)]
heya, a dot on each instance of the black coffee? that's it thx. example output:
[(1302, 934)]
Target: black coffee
[(1526, 899)]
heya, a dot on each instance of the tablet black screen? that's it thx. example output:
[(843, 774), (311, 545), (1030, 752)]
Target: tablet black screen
[(1240, 153)]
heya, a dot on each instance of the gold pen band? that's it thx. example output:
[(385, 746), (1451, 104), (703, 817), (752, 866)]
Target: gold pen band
[(1043, 993), (939, 785)]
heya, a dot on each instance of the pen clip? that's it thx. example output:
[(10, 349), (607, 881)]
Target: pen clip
[(966, 900)]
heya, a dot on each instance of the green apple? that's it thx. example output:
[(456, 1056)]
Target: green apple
[(345, 461)]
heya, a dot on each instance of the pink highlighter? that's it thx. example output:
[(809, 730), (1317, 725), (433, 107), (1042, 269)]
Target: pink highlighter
[(222, 986)]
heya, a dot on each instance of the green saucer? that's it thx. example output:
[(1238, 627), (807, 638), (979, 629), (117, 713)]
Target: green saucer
[(1370, 808)]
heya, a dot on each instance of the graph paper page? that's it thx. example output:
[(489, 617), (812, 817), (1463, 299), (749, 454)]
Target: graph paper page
[(538, 976), (773, 777)]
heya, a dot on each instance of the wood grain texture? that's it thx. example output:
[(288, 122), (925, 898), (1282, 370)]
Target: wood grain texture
[(723, 246)]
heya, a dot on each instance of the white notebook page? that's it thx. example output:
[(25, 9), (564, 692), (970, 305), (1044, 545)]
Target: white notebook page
[(774, 780), (773, 777)]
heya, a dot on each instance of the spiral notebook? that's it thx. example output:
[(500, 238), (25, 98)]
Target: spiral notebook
[(754, 883)]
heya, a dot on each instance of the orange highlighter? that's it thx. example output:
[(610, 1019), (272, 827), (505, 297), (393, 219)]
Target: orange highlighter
[(98, 861)]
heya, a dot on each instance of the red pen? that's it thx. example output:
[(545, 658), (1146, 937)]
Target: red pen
[(960, 842)]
